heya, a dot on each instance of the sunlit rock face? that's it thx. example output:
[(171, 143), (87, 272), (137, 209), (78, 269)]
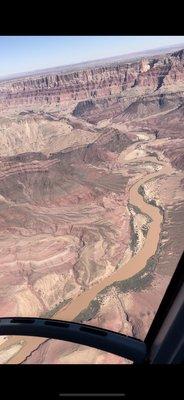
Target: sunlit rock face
[(144, 66), (59, 215), (145, 75), (72, 147)]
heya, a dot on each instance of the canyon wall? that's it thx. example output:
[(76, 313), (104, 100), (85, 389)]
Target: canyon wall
[(89, 159), (147, 75)]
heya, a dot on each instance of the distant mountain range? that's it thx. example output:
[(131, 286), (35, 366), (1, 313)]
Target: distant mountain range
[(95, 63)]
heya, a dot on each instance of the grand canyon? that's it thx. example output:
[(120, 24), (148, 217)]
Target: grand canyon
[(91, 200)]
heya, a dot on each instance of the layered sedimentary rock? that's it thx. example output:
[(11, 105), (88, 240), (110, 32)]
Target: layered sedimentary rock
[(72, 148), (148, 75), (57, 229)]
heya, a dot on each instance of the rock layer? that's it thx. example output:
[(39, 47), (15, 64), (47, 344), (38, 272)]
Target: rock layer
[(148, 75), (72, 147)]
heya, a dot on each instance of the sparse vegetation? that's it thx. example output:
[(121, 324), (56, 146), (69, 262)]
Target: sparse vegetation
[(145, 230), (139, 281), (153, 202), (141, 191), (90, 312), (133, 236), (54, 310), (153, 154), (134, 208)]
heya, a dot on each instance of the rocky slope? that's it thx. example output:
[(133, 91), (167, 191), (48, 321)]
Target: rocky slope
[(144, 76), (57, 229), (72, 147)]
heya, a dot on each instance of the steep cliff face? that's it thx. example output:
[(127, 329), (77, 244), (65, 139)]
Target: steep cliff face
[(148, 74), (72, 147), (63, 213)]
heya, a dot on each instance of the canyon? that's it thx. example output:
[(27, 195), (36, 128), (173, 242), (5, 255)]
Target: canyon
[(91, 200)]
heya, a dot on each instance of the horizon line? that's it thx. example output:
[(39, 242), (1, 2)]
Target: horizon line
[(44, 70)]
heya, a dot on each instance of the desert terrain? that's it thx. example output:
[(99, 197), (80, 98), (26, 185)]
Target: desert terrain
[(91, 200)]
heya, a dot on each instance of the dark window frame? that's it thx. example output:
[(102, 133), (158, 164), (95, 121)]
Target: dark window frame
[(125, 346)]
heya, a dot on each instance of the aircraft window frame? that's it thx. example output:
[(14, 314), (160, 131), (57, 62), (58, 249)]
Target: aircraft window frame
[(116, 343), (172, 290)]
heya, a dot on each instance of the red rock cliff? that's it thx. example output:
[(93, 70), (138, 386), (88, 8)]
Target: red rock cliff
[(147, 74)]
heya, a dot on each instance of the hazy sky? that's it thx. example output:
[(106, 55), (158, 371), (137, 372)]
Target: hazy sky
[(26, 53)]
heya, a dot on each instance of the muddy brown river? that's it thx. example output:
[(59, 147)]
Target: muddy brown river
[(128, 270)]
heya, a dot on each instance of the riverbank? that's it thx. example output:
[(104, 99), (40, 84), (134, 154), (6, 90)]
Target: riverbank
[(135, 265)]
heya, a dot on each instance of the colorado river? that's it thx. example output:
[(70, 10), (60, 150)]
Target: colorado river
[(132, 267)]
